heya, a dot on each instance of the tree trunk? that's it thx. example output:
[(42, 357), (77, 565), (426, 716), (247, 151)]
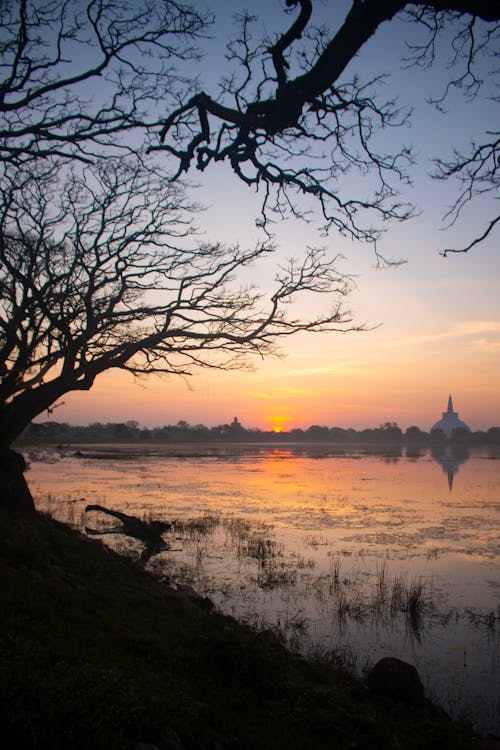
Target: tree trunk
[(15, 496)]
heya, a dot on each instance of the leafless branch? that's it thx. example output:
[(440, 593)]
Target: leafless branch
[(296, 135), (478, 174), (105, 271), (50, 50)]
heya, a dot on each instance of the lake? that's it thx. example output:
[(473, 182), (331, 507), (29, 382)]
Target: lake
[(349, 555)]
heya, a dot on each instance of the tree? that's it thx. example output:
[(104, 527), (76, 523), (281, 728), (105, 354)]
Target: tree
[(415, 435), (317, 432), (390, 432), (105, 270), (76, 76), (286, 120)]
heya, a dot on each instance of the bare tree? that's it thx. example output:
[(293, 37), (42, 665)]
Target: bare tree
[(77, 76), (106, 271), (287, 121)]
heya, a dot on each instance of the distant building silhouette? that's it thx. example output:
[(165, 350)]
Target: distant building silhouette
[(450, 421)]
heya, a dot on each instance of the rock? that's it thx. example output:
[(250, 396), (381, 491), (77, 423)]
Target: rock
[(15, 496), (396, 679)]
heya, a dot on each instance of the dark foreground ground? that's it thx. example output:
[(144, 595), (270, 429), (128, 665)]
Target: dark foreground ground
[(94, 653)]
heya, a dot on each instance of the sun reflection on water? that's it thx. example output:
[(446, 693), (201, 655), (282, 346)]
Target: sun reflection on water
[(367, 554)]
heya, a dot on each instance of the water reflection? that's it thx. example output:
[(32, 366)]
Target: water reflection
[(451, 457), (356, 551)]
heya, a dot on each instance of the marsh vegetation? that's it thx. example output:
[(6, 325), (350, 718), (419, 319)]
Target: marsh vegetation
[(348, 557)]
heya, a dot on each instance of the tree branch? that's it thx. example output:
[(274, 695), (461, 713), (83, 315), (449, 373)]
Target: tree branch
[(103, 272), (277, 129)]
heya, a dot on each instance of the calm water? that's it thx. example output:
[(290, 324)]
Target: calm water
[(359, 554)]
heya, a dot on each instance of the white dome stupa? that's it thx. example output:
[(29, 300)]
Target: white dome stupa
[(450, 421)]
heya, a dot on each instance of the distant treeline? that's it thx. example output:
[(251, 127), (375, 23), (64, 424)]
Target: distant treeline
[(131, 431)]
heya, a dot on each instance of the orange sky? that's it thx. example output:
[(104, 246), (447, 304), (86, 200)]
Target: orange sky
[(435, 330), (358, 392), (402, 371)]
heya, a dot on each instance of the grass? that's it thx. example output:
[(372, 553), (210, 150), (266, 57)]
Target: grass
[(389, 597), (95, 653)]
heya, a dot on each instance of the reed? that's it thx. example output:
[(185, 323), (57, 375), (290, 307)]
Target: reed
[(415, 600)]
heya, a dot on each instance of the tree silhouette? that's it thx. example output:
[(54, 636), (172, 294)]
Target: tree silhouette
[(76, 77), (287, 121), (105, 270)]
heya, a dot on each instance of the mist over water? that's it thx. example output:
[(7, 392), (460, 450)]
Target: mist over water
[(347, 553)]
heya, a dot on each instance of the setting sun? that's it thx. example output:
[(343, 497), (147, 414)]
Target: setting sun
[(278, 423)]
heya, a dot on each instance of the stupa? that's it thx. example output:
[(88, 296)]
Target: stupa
[(450, 421)]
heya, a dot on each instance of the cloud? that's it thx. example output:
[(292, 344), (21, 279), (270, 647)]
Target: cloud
[(490, 347), (479, 326), (457, 331)]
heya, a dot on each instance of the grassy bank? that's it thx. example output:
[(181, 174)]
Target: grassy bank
[(94, 653)]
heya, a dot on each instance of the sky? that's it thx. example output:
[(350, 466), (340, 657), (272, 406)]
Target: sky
[(433, 323)]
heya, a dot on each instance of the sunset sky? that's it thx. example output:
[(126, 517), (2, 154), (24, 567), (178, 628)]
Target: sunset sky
[(435, 321)]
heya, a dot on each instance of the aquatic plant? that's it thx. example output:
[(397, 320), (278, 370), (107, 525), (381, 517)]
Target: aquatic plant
[(379, 601), (275, 575), (336, 568), (415, 601), (202, 525)]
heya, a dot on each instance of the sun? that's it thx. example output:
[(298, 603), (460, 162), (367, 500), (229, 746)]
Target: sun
[(277, 422)]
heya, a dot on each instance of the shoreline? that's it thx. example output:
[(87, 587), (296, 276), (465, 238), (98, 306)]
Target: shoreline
[(97, 652)]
